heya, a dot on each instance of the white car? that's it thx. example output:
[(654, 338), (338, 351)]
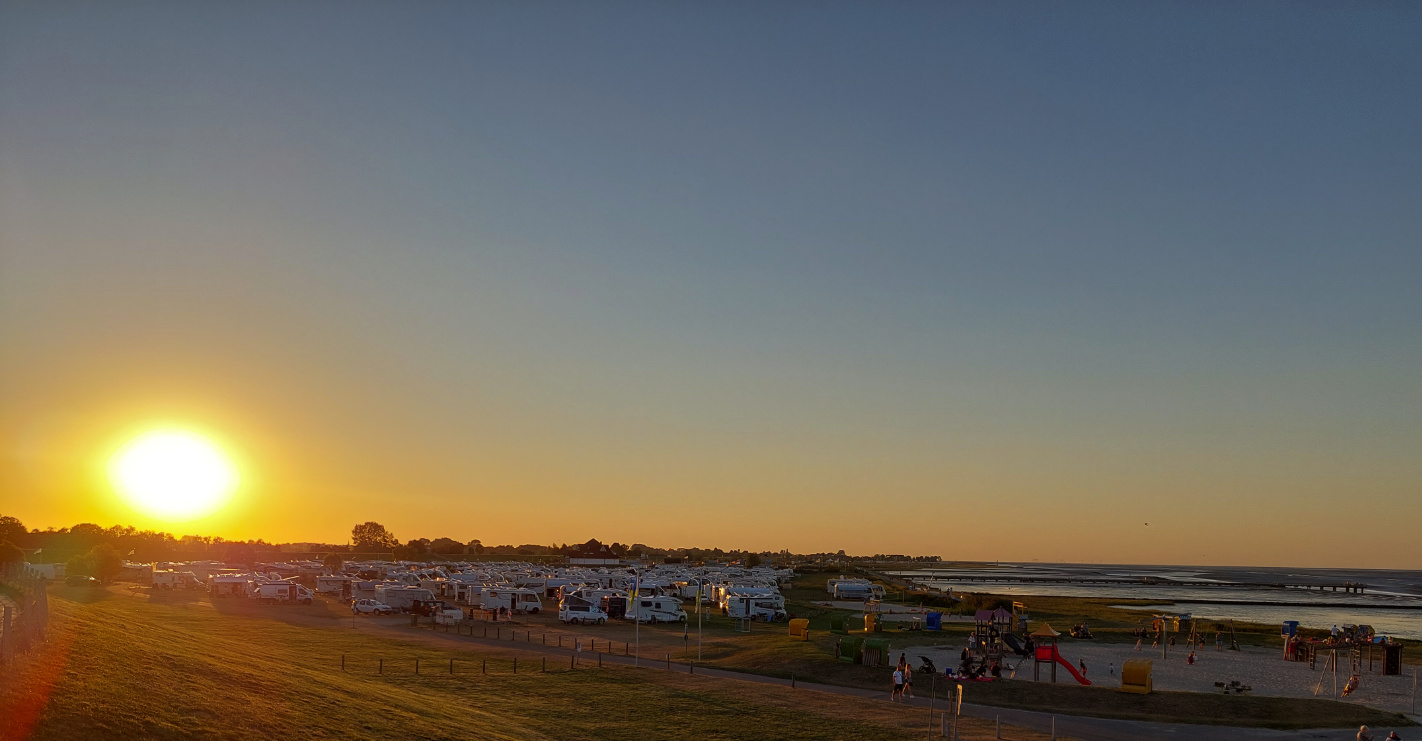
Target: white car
[(371, 607), (581, 614)]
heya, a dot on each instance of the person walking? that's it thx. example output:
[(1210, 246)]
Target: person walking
[(908, 681), (898, 685), (1082, 663)]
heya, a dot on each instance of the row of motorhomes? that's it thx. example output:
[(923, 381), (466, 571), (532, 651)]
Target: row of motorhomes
[(267, 588), (583, 594), (847, 588)]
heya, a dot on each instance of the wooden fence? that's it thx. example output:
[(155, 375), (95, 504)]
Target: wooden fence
[(24, 613)]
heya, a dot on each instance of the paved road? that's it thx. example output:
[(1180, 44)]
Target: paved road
[(1080, 727)]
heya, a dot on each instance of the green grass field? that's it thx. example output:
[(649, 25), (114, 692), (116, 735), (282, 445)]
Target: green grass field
[(178, 667)]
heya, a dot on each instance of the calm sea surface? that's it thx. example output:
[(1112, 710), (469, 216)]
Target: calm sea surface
[(1392, 603)]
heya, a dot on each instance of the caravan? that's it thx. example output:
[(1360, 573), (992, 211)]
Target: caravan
[(657, 609), (230, 585), (512, 599), (283, 591), (755, 603), (400, 597), (340, 585), (175, 580)]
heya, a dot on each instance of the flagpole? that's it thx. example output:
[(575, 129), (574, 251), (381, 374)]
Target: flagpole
[(637, 616), (701, 586)]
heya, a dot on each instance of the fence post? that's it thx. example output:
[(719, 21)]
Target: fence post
[(417, 666), (573, 661), (381, 668), (451, 666), (668, 662), (343, 662), (484, 668), (998, 722), (515, 665), (6, 636), (545, 663)]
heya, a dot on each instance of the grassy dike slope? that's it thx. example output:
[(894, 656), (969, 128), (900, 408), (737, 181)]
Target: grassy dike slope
[(121, 666)]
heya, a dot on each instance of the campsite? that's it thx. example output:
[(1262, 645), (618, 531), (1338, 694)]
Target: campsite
[(437, 627)]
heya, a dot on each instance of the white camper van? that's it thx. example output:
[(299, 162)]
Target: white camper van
[(283, 591), (511, 599), (578, 611), (400, 597), (657, 609), (756, 604), (333, 584), (229, 585), (175, 580)]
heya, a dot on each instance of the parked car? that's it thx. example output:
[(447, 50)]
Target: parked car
[(371, 607), (83, 581)]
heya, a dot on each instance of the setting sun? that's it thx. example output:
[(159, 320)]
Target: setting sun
[(173, 474)]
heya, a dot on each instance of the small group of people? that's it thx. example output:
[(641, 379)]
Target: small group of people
[(1365, 735), (903, 680), (1081, 631)]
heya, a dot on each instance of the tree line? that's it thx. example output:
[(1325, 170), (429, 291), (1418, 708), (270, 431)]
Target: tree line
[(99, 551)]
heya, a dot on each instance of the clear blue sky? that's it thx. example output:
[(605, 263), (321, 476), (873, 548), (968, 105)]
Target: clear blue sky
[(805, 275)]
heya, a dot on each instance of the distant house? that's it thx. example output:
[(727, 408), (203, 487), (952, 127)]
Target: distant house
[(592, 553)]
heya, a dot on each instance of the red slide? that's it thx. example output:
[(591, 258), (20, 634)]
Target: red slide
[(1049, 653)]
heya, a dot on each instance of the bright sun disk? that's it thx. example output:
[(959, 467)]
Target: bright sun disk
[(173, 474)]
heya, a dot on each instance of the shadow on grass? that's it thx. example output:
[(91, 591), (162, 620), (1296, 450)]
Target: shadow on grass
[(82, 595)]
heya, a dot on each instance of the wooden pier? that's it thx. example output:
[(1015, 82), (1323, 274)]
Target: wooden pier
[(1348, 587)]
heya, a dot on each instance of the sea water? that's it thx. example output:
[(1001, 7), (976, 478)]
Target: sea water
[(1392, 603)]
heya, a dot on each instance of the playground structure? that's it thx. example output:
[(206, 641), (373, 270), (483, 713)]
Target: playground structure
[(1046, 653), (1364, 650), (1159, 628), (989, 628)]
